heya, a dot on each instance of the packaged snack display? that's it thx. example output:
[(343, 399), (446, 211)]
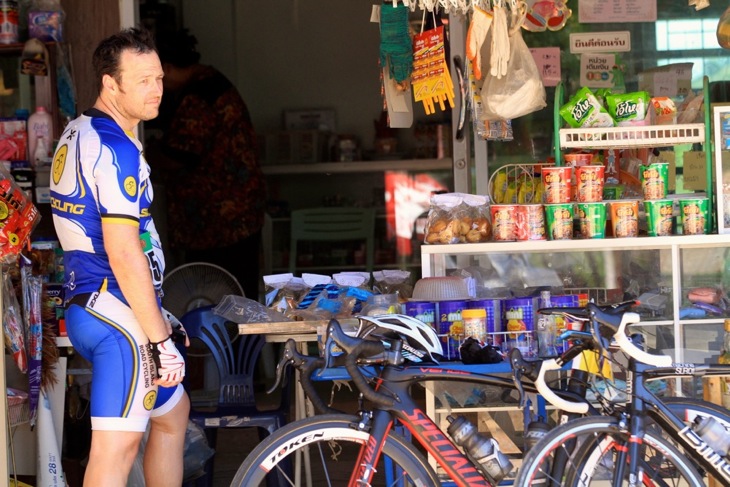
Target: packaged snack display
[(584, 110), (18, 217), (629, 108), (665, 110), (458, 218)]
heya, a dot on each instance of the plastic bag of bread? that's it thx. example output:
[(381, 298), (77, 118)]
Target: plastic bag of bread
[(458, 218)]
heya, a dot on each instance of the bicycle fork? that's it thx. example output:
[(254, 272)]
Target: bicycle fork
[(380, 424)]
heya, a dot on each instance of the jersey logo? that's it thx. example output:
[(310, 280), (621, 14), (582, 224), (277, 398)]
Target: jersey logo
[(149, 400), (130, 186), (59, 163)]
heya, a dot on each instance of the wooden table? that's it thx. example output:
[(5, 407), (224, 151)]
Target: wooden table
[(302, 332)]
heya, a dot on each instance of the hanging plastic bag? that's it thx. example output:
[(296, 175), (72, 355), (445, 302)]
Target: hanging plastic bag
[(519, 92), (13, 324)]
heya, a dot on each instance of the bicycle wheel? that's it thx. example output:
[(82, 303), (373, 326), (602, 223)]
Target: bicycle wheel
[(333, 446), (596, 443)]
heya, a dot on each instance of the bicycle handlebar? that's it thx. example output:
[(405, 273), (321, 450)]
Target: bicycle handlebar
[(614, 326)]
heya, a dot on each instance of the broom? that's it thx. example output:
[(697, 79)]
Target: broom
[(49, 356)]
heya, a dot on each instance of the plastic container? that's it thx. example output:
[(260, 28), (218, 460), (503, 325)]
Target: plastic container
[(450, 326), (519, 324), (381, 304), (475, 323), (40, 125), (493, 323), (440, 288), (422, 310), (9, 21)]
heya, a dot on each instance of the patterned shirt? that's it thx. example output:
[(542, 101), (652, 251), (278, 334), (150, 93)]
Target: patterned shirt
[(218, 198), (99, 174)]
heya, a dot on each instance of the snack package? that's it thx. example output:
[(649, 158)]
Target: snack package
[(690, 111), (458, 218), (665, 110), (629, 109), (584, 111), (393, 281), (18, 217)]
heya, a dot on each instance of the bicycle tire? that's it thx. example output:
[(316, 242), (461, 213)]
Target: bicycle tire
[(597, 439), (270, 462)]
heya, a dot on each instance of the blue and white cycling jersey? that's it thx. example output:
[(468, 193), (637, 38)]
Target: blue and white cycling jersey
[(94, 152)]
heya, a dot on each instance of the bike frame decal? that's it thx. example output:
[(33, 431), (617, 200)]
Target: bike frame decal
[(705, 451), (332, 434), (461, 470)]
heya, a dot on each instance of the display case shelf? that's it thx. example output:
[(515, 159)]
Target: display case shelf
[(627, 137), (659, 266), (359, 166)]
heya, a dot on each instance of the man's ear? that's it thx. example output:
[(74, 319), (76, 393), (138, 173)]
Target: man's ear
[(109, 83)]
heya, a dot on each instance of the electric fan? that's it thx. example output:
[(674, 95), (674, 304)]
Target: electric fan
[(197, 284)]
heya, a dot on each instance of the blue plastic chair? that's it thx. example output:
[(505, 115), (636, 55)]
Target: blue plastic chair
[(236, 357)]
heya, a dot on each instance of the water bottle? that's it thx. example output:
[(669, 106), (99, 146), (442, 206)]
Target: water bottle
[(533, 433), (713, 433), (546, 329), (482, 450), (39, 127)]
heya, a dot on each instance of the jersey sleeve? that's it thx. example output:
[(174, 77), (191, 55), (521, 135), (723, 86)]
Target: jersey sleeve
[(117, 176)]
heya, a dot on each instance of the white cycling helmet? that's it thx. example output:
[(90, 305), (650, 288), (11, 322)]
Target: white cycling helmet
[(420, 342)]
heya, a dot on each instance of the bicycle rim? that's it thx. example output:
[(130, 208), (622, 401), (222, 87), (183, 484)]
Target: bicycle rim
[(594, 457), (332, 446)]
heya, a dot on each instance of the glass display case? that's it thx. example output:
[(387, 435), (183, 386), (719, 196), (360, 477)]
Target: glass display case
[(658, 271)]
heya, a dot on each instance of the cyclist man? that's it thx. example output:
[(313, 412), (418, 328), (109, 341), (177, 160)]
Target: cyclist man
[(101, 196)]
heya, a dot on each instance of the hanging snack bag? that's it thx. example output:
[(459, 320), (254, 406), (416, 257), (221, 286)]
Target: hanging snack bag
[(584, 111), (18, 217), (628, 109)]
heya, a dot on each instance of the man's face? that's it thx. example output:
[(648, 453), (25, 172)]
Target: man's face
[(140, 87)]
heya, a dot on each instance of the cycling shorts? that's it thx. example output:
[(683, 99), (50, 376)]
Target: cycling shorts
[(103, 329)]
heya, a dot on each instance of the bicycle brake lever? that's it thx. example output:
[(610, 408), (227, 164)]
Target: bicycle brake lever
[(288, 357), (518, 368)]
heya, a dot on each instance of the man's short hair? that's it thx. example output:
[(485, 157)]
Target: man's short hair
[(108, 53)]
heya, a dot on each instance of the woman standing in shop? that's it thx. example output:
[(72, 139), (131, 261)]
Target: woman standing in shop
[(207, 158)]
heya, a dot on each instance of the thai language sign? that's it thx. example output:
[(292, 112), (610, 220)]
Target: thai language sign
[(600, 42), (601, 11)]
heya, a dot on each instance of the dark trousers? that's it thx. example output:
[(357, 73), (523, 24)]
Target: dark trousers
[(240, 259)]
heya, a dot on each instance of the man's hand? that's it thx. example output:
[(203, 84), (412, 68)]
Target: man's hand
[(169, 362), (176, 328)]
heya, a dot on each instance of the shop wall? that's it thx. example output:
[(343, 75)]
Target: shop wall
[(295, 54), (85, 25)]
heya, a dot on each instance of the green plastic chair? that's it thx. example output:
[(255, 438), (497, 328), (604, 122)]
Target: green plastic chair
[(334, 224)]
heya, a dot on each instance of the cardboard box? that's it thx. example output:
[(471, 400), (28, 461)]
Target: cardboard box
[(671, 80)]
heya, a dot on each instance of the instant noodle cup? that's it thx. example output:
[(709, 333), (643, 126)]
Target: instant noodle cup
[(695, 216), (624, 218), (590, 183), (659, 217), (556, 182), (559, 219), (592, 219), (530, 222), (655, 180), (504, 222)]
